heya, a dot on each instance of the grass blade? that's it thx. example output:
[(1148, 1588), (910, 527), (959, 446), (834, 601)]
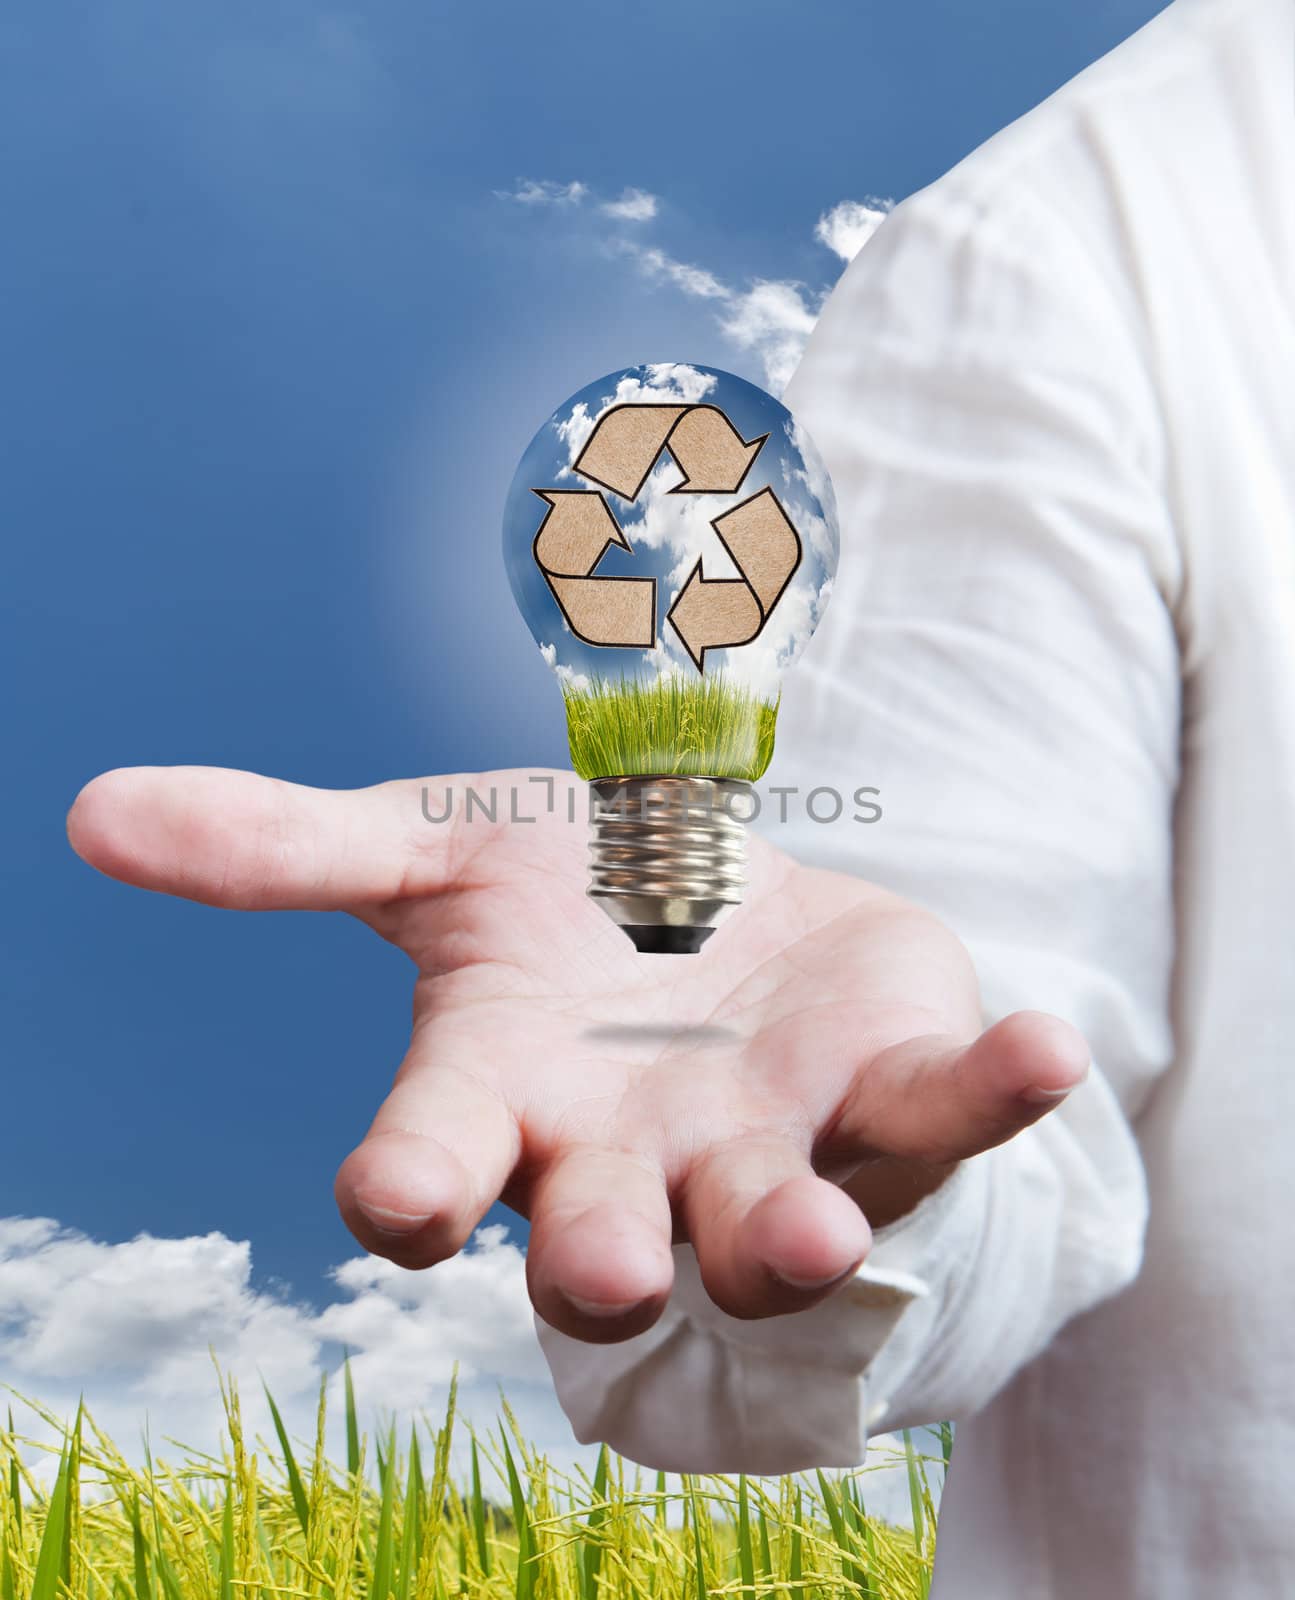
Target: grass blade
[(591, 1550), (225, 1587), (914, 1489), (165, 1571), (139, 1552), (15, 1480), (857, 1520), (352, 1423), (711, 727), (833, 1510), (766, 1554), (411, 1542), (745, 1549), (702, 1591), (796, 1558), (384, 1553), (50, 1558), (441, 1463), (298, 1489), (522, 1525), (214, 1527), (479, 1513), (13, 1531)]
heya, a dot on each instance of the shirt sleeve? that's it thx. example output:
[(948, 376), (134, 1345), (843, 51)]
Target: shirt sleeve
[(1000, 665)]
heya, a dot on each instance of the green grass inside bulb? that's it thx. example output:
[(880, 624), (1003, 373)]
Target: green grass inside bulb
[(693, 727)]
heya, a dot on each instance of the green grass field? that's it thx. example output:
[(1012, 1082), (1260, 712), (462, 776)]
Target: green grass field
[(690, 727), (272, 1518)]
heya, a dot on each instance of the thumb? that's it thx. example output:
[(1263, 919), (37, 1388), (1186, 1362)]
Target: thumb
[(933, 1099)]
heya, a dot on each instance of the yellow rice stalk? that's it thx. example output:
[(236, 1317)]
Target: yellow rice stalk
[(161, 1531)]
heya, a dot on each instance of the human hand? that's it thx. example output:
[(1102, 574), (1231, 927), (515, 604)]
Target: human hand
[(826, 1044)]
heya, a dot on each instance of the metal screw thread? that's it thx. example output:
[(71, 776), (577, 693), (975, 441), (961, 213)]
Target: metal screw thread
[(668, 856)]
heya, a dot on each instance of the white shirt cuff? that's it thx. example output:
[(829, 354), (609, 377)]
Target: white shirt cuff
[(705, 1392)]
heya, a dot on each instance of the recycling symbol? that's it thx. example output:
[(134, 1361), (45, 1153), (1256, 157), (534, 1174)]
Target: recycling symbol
[(579, 528)]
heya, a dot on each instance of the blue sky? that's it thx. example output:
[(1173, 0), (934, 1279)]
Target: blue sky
[(280, 314)]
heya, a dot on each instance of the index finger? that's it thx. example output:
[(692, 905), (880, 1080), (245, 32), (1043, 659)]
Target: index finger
[(235, 839)]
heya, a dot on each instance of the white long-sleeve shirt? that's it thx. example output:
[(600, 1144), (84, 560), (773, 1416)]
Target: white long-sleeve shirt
[(1056, 395)]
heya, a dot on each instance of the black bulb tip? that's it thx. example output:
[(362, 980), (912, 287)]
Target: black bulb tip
[(655, 940)]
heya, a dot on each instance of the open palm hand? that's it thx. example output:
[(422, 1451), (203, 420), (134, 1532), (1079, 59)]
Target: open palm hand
[(822, 1057)]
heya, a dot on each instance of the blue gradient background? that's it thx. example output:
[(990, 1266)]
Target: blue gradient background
[(270, 347)]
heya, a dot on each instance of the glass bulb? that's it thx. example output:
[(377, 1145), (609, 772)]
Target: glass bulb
[(671, 540)]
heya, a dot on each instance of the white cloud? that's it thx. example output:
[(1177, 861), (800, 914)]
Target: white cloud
[(632, 205), (770, 319), (656, 264), (408, 1329), (806, 488), (133, 1326), (848, 226), (774, 320), (659, 662), (71, 1306), (662, 381), (544, 192), (635, 205), (760, 665), (574, 430), (668, 522), (568, 677), (666, 380)]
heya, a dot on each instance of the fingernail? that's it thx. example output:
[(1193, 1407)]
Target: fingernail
[(395, 1224), (1036, 1095), (601, 1308), (806, 1285)]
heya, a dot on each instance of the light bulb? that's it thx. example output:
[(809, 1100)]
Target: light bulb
[(671, 540)]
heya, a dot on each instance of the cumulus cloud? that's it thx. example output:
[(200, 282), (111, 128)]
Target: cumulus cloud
[(71, 1306), (133, 1327), (661, 382), (774, 320), (848, 226), (761, 664), (635, 205), (408, 1329), (770, 319), (568, 677), (574, 430)]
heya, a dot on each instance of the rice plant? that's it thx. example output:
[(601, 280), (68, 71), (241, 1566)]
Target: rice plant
[(270, 1518), (693, 727)]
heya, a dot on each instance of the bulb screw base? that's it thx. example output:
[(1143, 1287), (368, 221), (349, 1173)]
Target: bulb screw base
[(668, 857)]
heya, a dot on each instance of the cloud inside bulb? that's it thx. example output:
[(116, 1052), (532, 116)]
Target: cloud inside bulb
[(668, 533)]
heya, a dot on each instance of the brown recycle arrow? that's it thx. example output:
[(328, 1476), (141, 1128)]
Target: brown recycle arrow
[(627, 440), (577, 529), (712, 613)]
